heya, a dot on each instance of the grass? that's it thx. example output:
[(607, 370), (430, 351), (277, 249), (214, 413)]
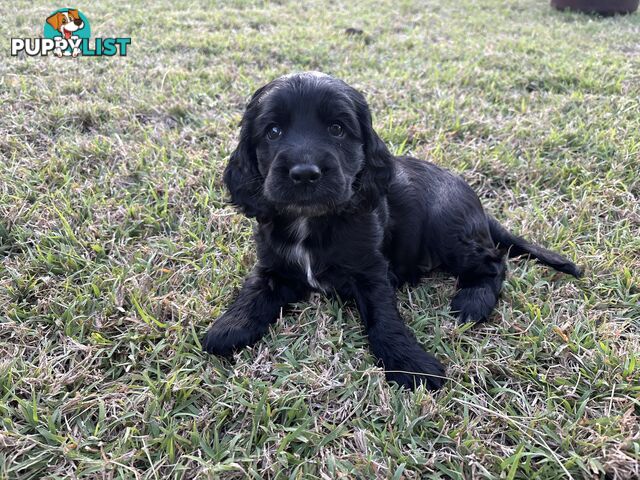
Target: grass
[(117, 248)]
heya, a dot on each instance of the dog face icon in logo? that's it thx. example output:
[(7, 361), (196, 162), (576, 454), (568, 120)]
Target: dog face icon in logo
[(70, 25)]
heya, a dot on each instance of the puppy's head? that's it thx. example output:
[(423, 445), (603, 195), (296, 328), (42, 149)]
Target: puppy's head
[(307, 147)]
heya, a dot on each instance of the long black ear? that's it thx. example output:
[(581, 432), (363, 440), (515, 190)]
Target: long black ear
[(241, 176), (373, 181)]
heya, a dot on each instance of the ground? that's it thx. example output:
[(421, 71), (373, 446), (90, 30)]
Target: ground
[(118, 249)]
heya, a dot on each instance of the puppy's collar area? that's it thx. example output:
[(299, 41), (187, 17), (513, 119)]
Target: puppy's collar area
[(298, 254)]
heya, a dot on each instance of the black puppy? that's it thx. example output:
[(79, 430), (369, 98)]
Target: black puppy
[(338, 213)]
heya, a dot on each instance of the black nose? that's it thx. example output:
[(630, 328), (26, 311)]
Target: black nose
[(305, 173), (78, 22)]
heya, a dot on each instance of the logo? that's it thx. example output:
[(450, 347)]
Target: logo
[(67, 33)]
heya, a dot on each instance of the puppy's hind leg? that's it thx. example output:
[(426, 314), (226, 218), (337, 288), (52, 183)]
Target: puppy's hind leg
[(479, 289), (468, 252)]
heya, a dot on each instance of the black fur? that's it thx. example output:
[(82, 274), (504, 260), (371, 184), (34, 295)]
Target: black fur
[(359, 223)]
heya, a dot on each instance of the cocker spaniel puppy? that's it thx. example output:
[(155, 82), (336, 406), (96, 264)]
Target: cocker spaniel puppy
[(337, 213)]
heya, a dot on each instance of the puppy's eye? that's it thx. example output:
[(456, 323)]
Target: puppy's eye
[(274, 132), (336, 130)]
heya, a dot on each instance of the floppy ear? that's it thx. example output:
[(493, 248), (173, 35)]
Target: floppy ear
[(55, 20), (373, 180), (73, 14), (241, 176)]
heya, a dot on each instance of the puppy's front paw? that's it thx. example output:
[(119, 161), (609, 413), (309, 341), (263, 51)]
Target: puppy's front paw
[(228, 335), (415, 368)]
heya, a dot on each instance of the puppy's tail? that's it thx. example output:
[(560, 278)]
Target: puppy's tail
[(518, 246)]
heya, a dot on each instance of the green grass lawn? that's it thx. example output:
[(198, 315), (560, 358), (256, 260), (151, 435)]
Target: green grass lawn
[(118, 249)]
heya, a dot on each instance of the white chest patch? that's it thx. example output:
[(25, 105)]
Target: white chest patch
[(300, 255)]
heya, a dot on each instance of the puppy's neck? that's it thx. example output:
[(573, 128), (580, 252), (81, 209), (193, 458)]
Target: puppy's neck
[(299, 228), (295, 211)]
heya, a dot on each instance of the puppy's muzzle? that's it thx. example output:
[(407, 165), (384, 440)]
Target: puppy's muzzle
[(305, 173)]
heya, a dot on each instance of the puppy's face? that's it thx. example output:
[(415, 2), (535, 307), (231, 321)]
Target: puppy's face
[(307, 147), (308, 143)]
